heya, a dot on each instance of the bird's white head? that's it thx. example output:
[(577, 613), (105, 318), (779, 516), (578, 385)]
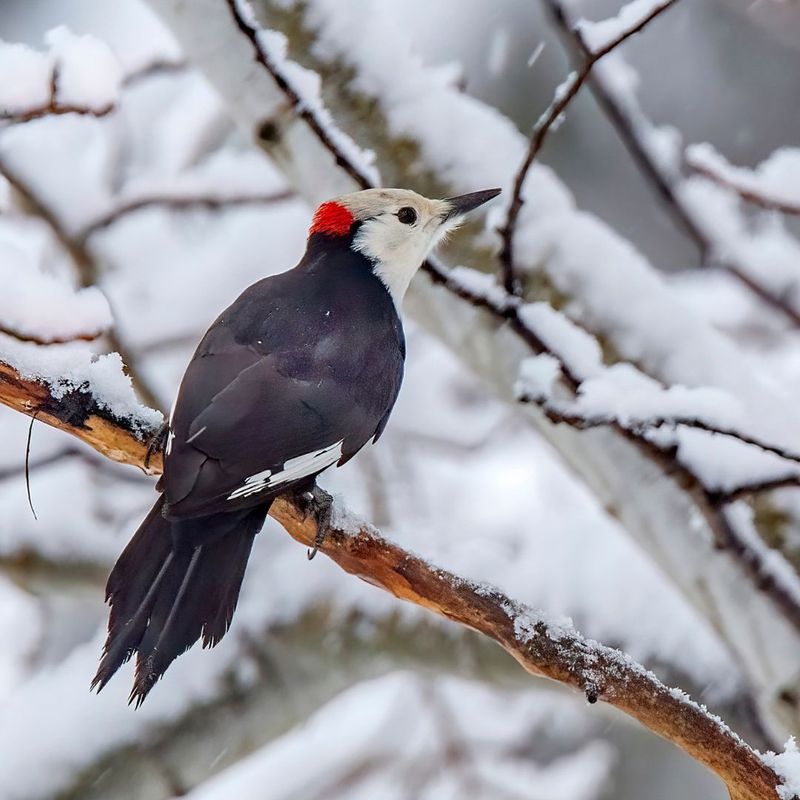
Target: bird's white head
[(395, 228)]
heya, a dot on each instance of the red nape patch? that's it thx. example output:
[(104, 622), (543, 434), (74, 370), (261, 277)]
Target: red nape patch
[(331, 218)]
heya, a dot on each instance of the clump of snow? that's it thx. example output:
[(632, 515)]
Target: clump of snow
[(599, 35), (577, 349), (725, 463), (73, 367), (482, 284), (776, 179), (761, 248), (26, 78), (787, 765), (346, 520), (625, 393), (40, 306), (537, 375), (88, 74)]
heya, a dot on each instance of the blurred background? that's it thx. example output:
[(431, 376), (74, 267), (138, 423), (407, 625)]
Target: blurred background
[(326, 687)]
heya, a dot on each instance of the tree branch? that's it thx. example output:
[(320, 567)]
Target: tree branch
[(749, 194), (542, 648), (564, 95), (189, 203)]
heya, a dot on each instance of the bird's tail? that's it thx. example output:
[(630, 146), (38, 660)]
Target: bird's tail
[(164, 594)]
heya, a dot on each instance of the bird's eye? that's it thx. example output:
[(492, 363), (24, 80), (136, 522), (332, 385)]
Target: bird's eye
[(407, 215)]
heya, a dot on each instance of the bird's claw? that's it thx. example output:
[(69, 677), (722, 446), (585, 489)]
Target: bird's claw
[(156, 444), (321, 504)]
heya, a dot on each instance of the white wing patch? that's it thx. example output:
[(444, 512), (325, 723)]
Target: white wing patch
[(293, 469)]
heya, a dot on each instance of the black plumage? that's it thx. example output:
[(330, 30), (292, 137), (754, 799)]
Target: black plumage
[(304, 362)]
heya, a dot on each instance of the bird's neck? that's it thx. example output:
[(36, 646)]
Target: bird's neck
[(393, 267)]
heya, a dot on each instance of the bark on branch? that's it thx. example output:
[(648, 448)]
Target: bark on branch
[(542, 648)]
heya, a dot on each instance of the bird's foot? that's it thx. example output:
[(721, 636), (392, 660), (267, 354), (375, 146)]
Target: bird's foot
[(156, 444), (318, 502)]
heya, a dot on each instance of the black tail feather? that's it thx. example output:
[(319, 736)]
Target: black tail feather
[(174, 583)]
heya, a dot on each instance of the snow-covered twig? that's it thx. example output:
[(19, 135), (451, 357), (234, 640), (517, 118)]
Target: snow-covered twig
[(316, 117), (543, 647), (635, 132), (563, 96), (748, 184), (640, 427)]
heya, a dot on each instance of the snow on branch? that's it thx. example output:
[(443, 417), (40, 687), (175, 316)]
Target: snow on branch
[(773, 184), (78, 75), (631, 20), (552, 649)]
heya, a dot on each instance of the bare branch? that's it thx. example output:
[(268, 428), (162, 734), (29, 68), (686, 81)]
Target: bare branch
[(189, 203), (46, 340), (630, 123), (562, 98), (542, 648), (154, 69)]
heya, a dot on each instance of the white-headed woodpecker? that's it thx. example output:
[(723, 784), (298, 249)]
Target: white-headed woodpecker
[(297, 375)]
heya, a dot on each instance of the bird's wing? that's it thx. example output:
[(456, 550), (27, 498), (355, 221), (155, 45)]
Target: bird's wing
[(261, 431)]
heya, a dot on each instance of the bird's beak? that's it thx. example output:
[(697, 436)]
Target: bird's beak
[(464, 203)]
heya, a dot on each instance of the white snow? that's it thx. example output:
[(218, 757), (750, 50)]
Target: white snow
[(32, 73), (762, 248), (73, 367), (497, 57), (514, 514), (36, 305), (88, 74), (599, 35), (787, 765), (537, 375), (724, 463), (777, 179), (574, 347), (624, 393)]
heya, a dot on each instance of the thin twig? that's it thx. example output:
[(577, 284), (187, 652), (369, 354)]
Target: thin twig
[(48, 340), (27, 465), (302, 109), (747, 193), (53, 107), (161, 66), (189, 203), (573, 417), (562, 98)]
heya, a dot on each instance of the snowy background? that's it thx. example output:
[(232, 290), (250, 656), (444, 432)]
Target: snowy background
[(128, 229)]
